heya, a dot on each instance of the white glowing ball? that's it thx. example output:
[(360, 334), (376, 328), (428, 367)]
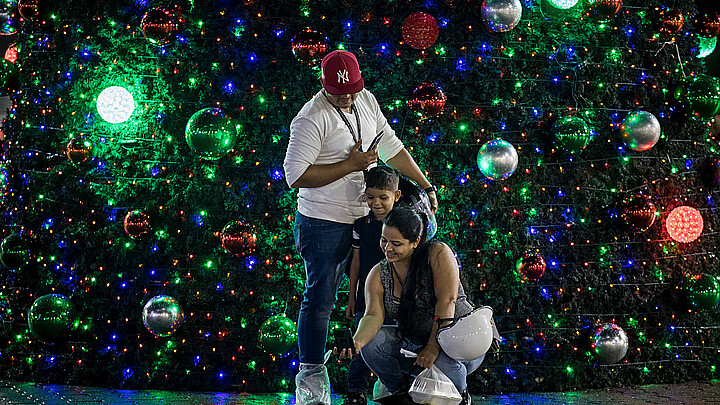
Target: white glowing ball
[(115, 104), (563, 4)]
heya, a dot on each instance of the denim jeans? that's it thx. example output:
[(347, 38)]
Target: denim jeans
[(325, 248), (383, 357)]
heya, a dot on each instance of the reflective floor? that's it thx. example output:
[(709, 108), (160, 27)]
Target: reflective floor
[(695, 393)]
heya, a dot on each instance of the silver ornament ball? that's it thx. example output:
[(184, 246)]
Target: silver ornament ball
[(640, 130), (497, 159), (501, 15), (609, 344), (162, 315)]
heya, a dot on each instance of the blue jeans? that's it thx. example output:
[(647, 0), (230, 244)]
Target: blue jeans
[(383, 356), (358, 379), (325, 248)]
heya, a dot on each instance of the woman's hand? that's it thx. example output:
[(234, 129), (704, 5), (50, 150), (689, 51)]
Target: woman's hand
[(427, 356), (346, 353)]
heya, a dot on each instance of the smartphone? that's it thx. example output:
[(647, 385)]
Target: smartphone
[(343, 339), (376, 141)]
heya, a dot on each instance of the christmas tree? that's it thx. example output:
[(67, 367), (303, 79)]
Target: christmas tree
[(147, 225)]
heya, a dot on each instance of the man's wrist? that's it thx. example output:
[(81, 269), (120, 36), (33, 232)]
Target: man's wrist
[(431, 189)]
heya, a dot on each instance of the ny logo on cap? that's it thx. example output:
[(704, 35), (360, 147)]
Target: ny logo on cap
[(343, 76)]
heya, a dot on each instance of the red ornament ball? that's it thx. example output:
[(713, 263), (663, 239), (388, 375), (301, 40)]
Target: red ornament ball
[(80, 150), (427, 100), (11, 54), (137, 223), (310, 46), (684, 224), (34, 10), (604, 10), (420, 30), (708, 24), (671, 21), (638, 213), (238, 238), (159, 26), (531, 266)]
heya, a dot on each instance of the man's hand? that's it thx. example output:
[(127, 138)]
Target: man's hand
[(350, 309), (432, 196), (359, 161), (427, 356)]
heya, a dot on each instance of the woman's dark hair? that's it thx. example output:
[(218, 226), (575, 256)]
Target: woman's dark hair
[(418, 286), (410, 223)]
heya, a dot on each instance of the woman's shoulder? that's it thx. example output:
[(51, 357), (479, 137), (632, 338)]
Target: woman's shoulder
[(437, 247), (382, 266), (439, 251), (375, 277)]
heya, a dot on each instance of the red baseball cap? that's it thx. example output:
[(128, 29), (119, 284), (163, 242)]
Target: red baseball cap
[(341, 73)]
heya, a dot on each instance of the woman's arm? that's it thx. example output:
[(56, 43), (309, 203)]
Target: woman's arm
[(374, 316), (446, 280)]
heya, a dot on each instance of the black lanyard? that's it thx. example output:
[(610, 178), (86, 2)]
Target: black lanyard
[(347, 123)]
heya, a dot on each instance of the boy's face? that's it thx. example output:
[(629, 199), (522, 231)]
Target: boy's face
[(381, 201)]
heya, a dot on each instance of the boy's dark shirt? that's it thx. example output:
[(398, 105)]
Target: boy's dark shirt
[(366, 237)]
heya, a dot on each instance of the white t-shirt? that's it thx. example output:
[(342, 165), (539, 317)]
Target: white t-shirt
[(318, 136)]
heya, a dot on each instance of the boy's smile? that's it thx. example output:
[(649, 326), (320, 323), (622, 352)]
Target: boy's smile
[(381, 201)]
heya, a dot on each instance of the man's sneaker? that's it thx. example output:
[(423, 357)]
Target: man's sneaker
[(466, 398), (355, 398)]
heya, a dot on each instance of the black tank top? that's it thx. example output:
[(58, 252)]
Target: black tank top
[(423, 319)]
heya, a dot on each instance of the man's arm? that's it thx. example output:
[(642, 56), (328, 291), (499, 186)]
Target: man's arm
[(304, 146), (322, 175), (405, 163)]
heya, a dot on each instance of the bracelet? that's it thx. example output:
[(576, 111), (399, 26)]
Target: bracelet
[(441, 320), (431, 189)]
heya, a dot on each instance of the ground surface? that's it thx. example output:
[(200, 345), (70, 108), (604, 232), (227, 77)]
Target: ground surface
[(707, 392)]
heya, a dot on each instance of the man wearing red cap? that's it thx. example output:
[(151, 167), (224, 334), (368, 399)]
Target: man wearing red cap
[(329, 148)]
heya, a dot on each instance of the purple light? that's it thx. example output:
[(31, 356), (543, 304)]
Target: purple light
[(277, 175)]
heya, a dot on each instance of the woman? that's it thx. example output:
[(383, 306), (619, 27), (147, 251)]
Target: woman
[(418, 286)]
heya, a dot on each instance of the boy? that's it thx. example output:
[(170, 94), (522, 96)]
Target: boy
[(381, 193)]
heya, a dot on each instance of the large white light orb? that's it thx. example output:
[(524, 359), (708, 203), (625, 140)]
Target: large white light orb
[(115, 104), (563, 4)]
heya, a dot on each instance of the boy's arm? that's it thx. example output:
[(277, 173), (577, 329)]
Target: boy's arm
[(354, 275)]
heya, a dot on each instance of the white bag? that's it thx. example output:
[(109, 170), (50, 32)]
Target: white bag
[(433, 387), (379, 390), (312, 384)]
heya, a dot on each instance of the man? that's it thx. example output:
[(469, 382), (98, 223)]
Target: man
[(329, 149)]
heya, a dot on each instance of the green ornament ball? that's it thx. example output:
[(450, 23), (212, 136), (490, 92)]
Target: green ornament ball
[(572, 134), (52, 317), (210, 133), (278, 336), (14, 252), (700, 94), (703, 292), (8, 75)]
